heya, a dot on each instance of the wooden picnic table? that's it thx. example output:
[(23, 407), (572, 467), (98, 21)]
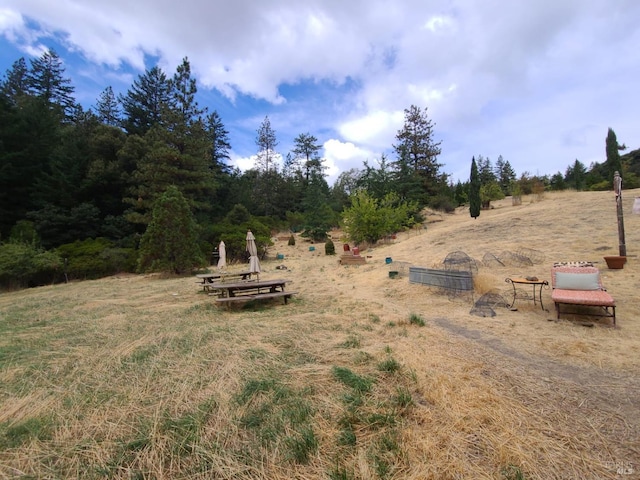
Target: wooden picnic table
[(206, 279), (245, 291)]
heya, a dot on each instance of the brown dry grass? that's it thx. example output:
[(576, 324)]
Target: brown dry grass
[(139, 376)]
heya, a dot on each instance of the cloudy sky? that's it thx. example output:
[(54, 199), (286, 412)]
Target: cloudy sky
[(538, 82)]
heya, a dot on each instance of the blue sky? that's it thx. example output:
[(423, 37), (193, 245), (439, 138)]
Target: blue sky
[(536, 82)]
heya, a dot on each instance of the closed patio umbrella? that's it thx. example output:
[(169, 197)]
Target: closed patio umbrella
[(222, 251), (254, 262)]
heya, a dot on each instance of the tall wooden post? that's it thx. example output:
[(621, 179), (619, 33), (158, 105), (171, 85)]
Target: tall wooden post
[(617, 188)]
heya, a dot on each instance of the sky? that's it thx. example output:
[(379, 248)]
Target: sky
[(536, 82)]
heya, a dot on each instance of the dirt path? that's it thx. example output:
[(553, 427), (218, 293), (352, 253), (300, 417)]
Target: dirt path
[(603, 401)]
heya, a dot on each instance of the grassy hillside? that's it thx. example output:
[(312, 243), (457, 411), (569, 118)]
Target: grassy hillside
[(360, 376)]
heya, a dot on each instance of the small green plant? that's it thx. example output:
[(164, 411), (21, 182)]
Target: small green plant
[(28, 429), (301, 446), (351, 342), (329, 247), (415, 319), (362, 358), (340, 473), (292, 240), (512, 472), (403, 398), (389, 366), (357, 382), (347, 436)]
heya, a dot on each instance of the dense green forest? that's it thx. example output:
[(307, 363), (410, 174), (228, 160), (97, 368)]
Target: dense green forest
[(81, 188)]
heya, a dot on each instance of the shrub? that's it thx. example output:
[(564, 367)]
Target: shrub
[(96, 258), (329, 247), (442, 203), (415, 319), (24, 265)]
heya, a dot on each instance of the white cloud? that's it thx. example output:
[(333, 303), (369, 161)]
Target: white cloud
[(376, 129), (510, 78), (341, 156), (10, 22)]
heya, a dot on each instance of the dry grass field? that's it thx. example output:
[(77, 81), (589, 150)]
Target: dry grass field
[(360, 376)]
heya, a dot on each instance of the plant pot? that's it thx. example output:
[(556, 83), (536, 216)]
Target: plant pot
[(615, 262)]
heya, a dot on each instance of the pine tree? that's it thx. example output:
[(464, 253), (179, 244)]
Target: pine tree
[(46, 80), (268, 181), (145, 101), (15, 85), (417, 147), (267, 143), (219, 139), (108, 108), (170, 243), (474, 190), (576, 175), (505, 175), (306, 149), (183, 89)]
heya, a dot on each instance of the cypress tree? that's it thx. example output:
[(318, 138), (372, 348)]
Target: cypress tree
[(614, 163), (474, 190)]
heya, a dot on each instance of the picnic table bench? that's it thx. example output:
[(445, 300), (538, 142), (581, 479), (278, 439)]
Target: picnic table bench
[(234, 292), (207, 279)]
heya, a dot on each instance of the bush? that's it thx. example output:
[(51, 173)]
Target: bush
[(443, 204), (96, 258), (329, 247), (23, 265)]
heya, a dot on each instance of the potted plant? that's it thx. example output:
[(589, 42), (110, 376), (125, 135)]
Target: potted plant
[(615, 262)]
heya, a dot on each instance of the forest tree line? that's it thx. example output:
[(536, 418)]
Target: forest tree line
[(79, 185)]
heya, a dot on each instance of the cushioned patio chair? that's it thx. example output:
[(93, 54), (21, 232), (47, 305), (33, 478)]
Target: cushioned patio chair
[(581, 286)]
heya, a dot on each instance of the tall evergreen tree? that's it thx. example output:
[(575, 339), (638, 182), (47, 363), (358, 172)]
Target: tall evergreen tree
[(29, 134), (183, 90), (505, 175), (108, 108), (378, 182), (46, 80), (145, 101), (306, 151), (15, 85), (418, 148), (575, 176), (172, 159), (219, 139), (268, 181), (474, 190), (614, 163), (485, 170), (267, 143), (318, 215)]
